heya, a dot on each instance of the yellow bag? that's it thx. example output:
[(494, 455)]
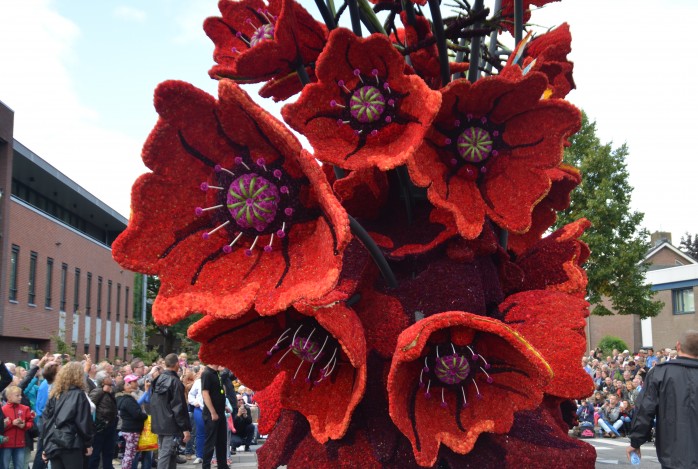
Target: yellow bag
[(148, 441)]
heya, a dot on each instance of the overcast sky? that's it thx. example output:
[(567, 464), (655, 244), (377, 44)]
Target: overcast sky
[(80, 77)]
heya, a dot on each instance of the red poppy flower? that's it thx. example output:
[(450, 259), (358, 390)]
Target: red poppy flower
[(256, 41), (555, 262), (364, 110), (549, 51), (320, 351), (539, 315), (233, 214), (508, 12), (489, 148), (456, 375), (564, 179)]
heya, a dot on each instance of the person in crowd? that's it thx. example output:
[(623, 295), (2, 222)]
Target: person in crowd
[(244, 428), (626, 415), (585, 415), (132, 419), (188, 379), (5, 376), (670, 397), (196, 402), (18, 420), (170, 417), (610, 417), (144, 401), (103, 398), (49, 373), (68, 429), (213, 395)]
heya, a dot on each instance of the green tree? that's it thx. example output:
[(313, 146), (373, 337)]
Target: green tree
[(689, 245), (618, 244)]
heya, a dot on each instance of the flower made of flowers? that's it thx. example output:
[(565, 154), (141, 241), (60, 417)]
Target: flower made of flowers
[(364, 110), (256, 41), (489, 148), (320, 351), (234, 213), (455, 375)]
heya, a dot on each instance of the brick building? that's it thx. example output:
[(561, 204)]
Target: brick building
[(674, 279), (58, 281)]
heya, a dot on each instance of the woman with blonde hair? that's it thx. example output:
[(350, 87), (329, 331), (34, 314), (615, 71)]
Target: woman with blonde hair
[(68, 429)]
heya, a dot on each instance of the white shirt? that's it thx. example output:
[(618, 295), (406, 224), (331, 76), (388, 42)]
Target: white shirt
[(195, 397)]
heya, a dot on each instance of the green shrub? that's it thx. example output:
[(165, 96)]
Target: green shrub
[(609, 342)]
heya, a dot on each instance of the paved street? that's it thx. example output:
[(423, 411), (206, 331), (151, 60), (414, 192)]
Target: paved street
[(610, 453)]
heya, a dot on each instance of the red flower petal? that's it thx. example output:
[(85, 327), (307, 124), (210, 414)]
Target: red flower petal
[(555, 262), (539, 315), (508, 12), (364, 110), (519, 374), (550, 53), (333, 390), (255, 42), (195, 136)]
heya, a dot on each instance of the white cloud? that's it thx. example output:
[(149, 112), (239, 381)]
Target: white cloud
[(128, 13), (36, 45)]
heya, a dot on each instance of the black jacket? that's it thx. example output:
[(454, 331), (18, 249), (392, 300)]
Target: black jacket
[(168, 405), (68, 418), (105, 404), (671, 395), (132, 416)]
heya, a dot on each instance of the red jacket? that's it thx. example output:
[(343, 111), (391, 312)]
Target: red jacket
[(14, 434)]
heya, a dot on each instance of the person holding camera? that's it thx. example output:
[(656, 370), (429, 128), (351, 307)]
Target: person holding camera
[(244, 428), (610, 420)]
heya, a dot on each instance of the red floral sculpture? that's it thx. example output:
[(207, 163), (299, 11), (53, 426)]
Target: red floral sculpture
[(401, 297), (364, 110), (489, 149), (252, 220)]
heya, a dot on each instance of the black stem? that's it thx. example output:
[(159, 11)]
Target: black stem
[(339, 173), (374, 251), (339, 12), (326, 15), (475, 44), (503, 238), (355, 17), (409, 11), (302, 74), (518, 21), (404, 179), (435, 9), (353, 299), (364, 19), (493, 39)]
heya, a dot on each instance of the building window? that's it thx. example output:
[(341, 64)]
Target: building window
[(31, 298), (108, 299), (64, 281), (126, 305), (14, 259), (49, 282), (118, 301), (682, 300), (88, 294), (99, 297), (76, 292)]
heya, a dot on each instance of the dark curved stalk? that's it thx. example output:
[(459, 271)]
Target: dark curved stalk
[(326, 14), (355, 17), (374, 251), (409, 11), (475, 44), (444, 68), (302, 74), (493, 39)]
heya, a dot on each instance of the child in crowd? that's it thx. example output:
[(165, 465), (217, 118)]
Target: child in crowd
[(18, 420)]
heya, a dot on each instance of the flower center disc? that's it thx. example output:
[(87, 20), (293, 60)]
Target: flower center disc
[(474, 144), (367, 104), (261, 34), (253, 201), (452, 369), (306, 349)]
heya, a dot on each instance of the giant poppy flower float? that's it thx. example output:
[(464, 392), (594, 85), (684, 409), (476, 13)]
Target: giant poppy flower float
[(393, 285)]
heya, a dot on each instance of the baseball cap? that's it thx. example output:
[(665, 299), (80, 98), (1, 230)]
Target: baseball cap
[(130, 378), (626, 351)]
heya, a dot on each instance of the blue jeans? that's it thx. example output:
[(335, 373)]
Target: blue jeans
[(200, 432), (16, 455), (103, 448), (147, 460), (611, 428)]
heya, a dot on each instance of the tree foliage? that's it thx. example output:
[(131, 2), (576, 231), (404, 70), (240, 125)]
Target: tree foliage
[(609, 342), (689, 245), (618, 244)]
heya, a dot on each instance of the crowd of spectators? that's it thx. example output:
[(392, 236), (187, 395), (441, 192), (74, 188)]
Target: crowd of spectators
[(118, 395), (618, 380)]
